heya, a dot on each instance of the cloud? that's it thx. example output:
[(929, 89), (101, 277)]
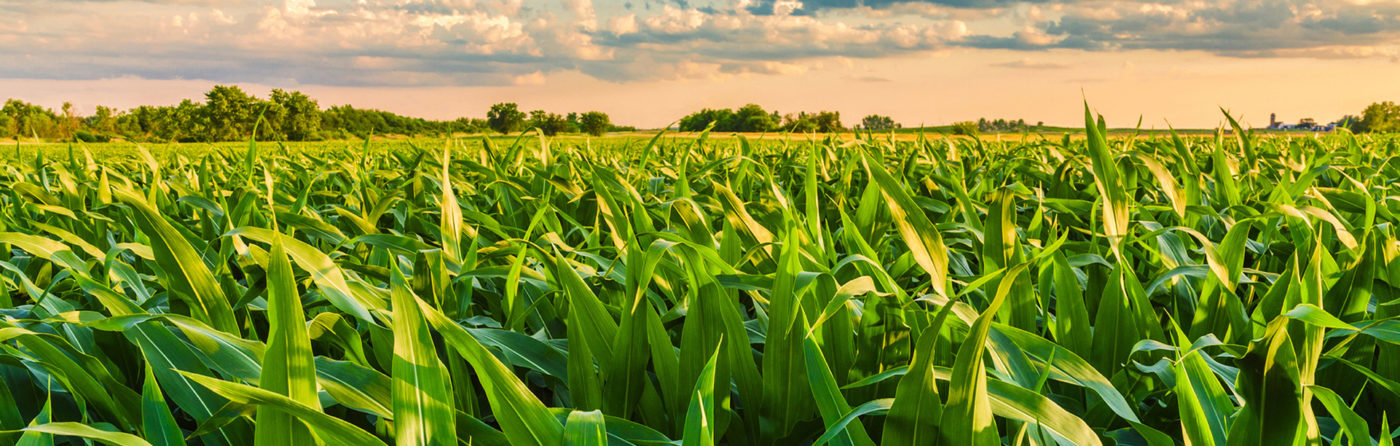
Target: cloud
[(623, 24), (870, 79), (1027, 63), (506, 42), (536, 78), (1236, 28), (446, 42), (814, 6)]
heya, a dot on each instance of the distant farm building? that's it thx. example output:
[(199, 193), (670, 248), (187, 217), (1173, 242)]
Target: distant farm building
[(1305, 124)]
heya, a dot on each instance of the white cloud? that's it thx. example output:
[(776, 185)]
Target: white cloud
[(536, 78), (222, 18), (584, 16), (623, 24), (675, 20), (786, 7)]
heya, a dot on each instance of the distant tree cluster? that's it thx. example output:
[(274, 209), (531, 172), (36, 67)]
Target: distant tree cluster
[(968, 128), (1379, 117), (1001, 125), (753, 118), (877, 123), (819, 122), (229, 114), (593, 123), (749, 118), (506, 117), (20, 118)]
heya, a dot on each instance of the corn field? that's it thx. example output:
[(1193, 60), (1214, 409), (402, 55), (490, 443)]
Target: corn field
[(1143, 290)]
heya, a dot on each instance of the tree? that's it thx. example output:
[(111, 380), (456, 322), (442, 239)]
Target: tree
[(69, 126), (230, 113), (104, 120), (147, 123), (574, 123), (505, 117), (301, 120), (549, 123), (594, 123), (966, 128), (469, 125), (799, 123), (1381, 117), (878, 123), (188, 123), (1352, 123), (751, 118), (828, 122), (1001, 125), (28, 120), (696, 122)]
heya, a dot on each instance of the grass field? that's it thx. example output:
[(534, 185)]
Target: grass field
[(1131, 289)]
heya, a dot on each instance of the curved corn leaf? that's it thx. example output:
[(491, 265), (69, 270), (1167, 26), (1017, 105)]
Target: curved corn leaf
[(523, 417), (182, 266), (585, 429), (700, 417), (968, 416), (287, 366), (423, 413), (923, 239), (327, 429), (84, 431), (158, 425)]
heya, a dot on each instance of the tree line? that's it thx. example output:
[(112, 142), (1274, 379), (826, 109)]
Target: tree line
[(754, 118), (999, 125), (506, 117), (1379, 117), (230, 114)]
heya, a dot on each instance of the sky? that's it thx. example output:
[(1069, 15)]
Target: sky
[(649, 62)]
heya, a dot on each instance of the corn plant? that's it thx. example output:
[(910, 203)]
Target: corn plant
[(1137, 289)]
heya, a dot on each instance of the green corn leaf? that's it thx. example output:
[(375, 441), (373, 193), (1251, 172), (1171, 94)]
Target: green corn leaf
[(924, 241), (1109, 183), (585, 429), (184, 269), (1386, 439), (287, 367), (1355, 427), (700, 417), (39, 437), (158, 425), (327, 429), (1269, 388), (875, 407), (329, 277), (786, 397), (422, 399), (80, 430), (967, 418), (523, 418), (451, 223), (830, 402), (917, 411)]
